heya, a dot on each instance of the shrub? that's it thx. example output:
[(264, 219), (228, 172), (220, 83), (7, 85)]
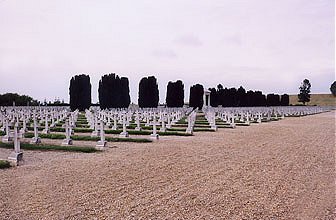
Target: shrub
[(4, 164)]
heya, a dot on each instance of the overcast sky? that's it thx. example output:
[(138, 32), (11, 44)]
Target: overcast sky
[(267, 45)]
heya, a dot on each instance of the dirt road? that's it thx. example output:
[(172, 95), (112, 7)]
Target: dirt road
[(276, 170)]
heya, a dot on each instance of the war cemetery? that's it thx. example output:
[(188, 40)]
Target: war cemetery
[(180, 109), (114, 159)]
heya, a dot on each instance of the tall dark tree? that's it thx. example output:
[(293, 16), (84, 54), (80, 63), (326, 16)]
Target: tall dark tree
[(304, 95), (196, 96), (333, 88), (232, 97), (241, 97), (125, 98), (260, 99), (273, 100), (113, 92), (80, 92), (220, 95), (175, 94), (148, 92), (213, 97), (284, 100), (251, 98)]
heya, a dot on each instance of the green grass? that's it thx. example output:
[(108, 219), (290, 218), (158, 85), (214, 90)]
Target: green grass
[(201, 122), (4, 164), (89, 138), (83, 130), (43, 147), (78, 130), (48, 136), (203, 129), (142, 132), (136, 140), (82, 126), (111, 139), (32, 128), (242, 124), (174, 133), (176, 129), (148, 132), (182, 120)]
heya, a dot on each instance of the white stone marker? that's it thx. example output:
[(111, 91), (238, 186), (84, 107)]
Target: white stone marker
[(233, 124), (67, 140), (189, 129), (17, 155), (154, 135), (102, 142), (95, 132), (46, 128), (163, 128), (259, 118), (24, 126), (168, 121), (7, 138), (115, 126), (247, 122), (124, 133), (137, 118), (35, 139)]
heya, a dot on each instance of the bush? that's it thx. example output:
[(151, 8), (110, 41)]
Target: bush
[(4, 164)]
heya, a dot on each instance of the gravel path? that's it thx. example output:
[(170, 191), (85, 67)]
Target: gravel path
[(276, 170)]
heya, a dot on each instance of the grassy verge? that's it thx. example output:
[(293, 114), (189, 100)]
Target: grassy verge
[(4, 164), (203, 129), (148, 132), (135, 140), (43, 147), (89, 138), (48, 136)]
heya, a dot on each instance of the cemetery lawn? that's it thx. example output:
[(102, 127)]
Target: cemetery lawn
[(277, 170), (44, 147), (89, 138)]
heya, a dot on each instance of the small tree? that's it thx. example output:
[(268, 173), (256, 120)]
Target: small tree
[(304, 95), (333, 88)]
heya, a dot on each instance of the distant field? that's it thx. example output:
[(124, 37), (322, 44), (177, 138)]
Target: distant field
[(315, 99)]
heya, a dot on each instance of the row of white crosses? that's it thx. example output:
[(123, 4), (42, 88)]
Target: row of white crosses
[(103, 119), (164, 118), (257, 114), (14, 117)]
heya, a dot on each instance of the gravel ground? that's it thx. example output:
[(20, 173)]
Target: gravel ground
[(276, 170)]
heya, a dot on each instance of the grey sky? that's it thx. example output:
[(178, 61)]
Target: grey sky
[(260, 44)]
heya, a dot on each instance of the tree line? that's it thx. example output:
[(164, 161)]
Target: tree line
[(9, 99), (114, 93)]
